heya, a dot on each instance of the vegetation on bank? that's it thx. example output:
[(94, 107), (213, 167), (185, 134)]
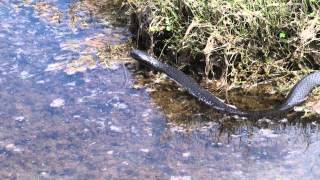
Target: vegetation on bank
[(109, 10), (240, 41)]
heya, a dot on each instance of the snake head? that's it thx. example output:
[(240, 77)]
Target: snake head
[(145, 58), (136, 54)]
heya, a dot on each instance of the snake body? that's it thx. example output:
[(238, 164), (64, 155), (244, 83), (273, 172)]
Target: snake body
[(297, 95)]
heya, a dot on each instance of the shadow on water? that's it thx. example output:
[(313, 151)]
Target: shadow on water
[(65, 115)]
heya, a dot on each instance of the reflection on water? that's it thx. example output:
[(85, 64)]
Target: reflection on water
[(64, 116)]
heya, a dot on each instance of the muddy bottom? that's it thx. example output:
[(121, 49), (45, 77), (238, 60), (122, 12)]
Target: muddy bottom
[(66, 115)]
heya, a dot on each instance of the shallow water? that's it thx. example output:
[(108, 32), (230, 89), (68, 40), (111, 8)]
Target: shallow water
[(66, 116)]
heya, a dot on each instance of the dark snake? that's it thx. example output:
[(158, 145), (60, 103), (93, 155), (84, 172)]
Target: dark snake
[(297, 95)]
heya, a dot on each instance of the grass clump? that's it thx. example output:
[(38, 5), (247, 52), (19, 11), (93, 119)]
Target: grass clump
[(239, 40)]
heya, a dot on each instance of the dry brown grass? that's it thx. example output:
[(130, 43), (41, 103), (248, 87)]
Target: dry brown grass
[(249, 41)]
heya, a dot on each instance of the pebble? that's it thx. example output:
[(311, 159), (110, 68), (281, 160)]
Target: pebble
[(73, 83), (298, 108), (115, 128), (55, 66), (180, 178), (40, 82), (120, 106), (80, 100), (59, 102), (19, 118), (316, 107), (87, 80), (134, 130), (110, 152), (125, 163), (12, 147), (186, 154), (44, 174), (268, 133), (113, 66), (145, 150), (24, 75), (146, 113)]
